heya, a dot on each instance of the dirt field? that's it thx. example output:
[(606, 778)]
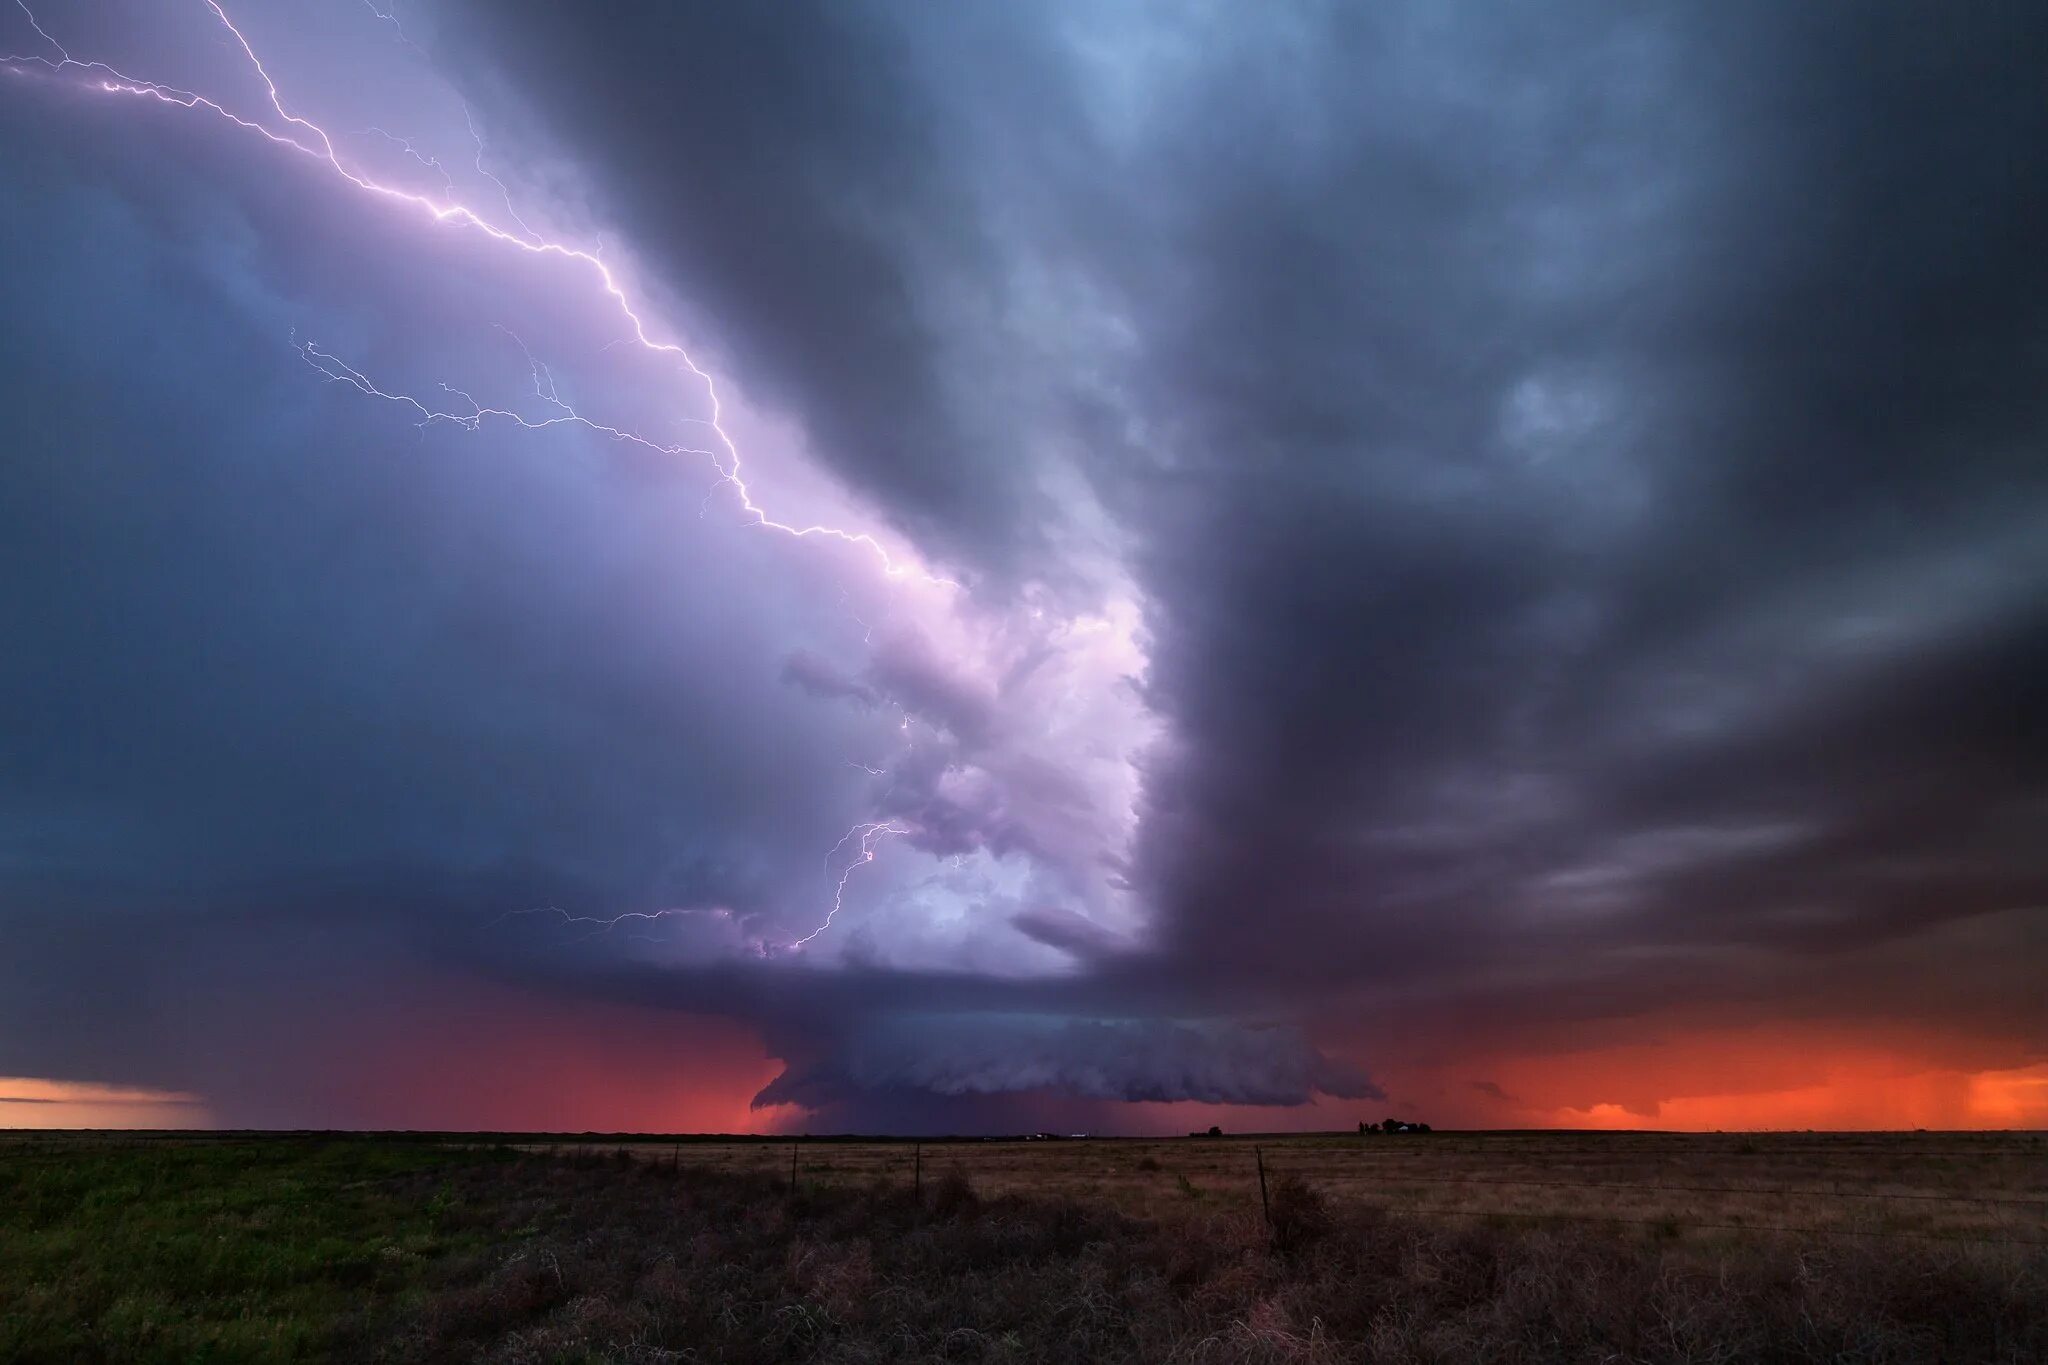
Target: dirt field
[(1938, 1185)]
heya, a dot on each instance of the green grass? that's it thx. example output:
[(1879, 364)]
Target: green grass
[(243, 1251)]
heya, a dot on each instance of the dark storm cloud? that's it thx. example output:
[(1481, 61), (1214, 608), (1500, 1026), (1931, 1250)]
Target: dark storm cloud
[(1587, 465), (808, 207), (1102, 1060), (1584, 470), (1696, 612), (279, 667), (1062, 928)]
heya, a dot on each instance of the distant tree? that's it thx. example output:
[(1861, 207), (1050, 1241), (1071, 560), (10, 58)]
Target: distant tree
[(1215, 1130), (1361, 1128), (1421, 1127), (1392, 1126)]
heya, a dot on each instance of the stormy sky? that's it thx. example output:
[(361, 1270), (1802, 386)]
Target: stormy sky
[(877, 565)]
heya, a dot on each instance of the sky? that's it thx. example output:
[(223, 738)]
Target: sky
[(871, 566)]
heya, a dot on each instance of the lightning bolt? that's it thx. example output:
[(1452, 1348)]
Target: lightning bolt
[(605, 926), (869, 835), (293, 133), (476, 414), (404, 145), (309, 139), (390, 16)]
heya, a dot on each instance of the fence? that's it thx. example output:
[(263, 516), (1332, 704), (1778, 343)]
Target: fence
[(1388, 1167), (1395, 1176)]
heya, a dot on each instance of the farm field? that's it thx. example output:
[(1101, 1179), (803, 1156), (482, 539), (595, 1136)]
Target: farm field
[(1450, 1247), (1993, 1186)]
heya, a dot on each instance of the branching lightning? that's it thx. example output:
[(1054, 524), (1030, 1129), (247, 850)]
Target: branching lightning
[(390, 16), (294, 133), (309, 139), (869, 835), (600, 925), (338, 371)]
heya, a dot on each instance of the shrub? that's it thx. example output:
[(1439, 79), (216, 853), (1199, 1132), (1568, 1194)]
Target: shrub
[(952, 1195), (1299, 1213)]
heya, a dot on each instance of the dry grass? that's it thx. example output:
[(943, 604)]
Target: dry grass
[(631, 1261), (705, 1253), (1710, 1186)]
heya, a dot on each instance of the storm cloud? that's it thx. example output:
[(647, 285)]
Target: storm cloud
[(1455, 531), (1102, 1060)]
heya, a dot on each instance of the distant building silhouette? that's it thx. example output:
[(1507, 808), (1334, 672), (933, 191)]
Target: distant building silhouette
[(1393, 1126)]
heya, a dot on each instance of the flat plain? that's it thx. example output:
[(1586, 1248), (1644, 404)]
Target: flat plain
[(1440, 1247), (1989, 1185)]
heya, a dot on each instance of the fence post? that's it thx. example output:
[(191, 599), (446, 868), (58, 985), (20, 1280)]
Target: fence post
[(792, 1168), (675, 1161), (1265, 1206), (917, 1169)]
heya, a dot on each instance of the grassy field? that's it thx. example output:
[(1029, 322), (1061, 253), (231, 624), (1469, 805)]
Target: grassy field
[(1451, 1247), (1992, 1185)]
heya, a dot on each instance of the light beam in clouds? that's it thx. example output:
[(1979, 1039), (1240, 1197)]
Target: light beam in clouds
[(311, 140)]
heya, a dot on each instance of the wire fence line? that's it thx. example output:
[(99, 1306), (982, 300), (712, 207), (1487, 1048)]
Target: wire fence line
[(1351, 1193), (2003, 1239), (1695, 1225), (1381, 1173), (2013, 1201), (1428, 1144), (1365, 1174)]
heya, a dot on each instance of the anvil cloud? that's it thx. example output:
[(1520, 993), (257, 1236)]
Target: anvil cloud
[(1493, 564)]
